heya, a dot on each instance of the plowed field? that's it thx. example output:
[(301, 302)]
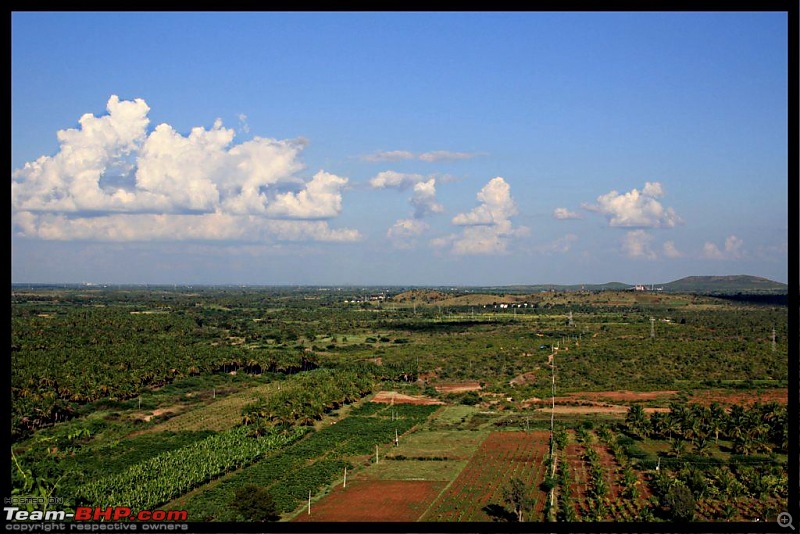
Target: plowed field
[(375, 500), (477, 493)]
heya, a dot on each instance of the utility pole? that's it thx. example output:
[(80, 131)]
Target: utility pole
[(553, 396), (652, 328), (552, 434), (773, 339)]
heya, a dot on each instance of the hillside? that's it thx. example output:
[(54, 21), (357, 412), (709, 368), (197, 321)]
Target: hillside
[(724, 284)]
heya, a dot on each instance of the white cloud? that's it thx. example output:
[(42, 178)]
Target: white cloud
[(181, 173), (403, 233), (732, 249), (496, 206), (70, 180), (636, 209), (390, 155), (243, 123), (430, 157), (321, 199), (671, 251), (636, 244), (111, 180), (177, 227), (310, 231), (712, 251), (424, 199), (487, 228), (439, 155), (653, 189), (564, 214), (395, 180)]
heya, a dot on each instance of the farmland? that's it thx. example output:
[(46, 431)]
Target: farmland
[(664, 407)]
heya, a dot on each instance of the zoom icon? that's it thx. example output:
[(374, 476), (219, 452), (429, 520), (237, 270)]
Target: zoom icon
[(785, 520)]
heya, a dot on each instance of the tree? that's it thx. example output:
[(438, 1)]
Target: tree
[(681, 502), (255, 503), (637, 421), (516, 495)]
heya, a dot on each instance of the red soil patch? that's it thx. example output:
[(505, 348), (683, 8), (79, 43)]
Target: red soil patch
[(458, 388), (744, 397), (375, 500), (610, 470), (389, 397), (579, 478), (585, 409), (623, 395), (624, 508)]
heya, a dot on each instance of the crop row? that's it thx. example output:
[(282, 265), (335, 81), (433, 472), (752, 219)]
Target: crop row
[(155, 481), (503, 456), (311, 463)]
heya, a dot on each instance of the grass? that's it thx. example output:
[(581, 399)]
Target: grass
[(450, 444), (455, 416), (414, 470), (220, 414)]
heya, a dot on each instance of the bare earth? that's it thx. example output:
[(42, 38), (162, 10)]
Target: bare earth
[(389, 397)]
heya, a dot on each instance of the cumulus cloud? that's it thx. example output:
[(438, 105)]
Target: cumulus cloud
[(564, 214), (70, 181), (487, 228), (671, 251), (321, 199), (430, 157), (404, 232), (732, 249), (712, 251), (424, 199), (496, 206), (177, 227), (636, 209), (395, 180), (111, 180), (636, 244)]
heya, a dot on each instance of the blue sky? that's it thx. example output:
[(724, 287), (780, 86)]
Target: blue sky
[(398, 148)]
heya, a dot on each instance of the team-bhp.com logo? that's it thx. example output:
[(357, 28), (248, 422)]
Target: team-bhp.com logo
[(92, 518)]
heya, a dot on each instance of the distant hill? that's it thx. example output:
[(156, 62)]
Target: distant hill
[(724, 284), (708, 285)]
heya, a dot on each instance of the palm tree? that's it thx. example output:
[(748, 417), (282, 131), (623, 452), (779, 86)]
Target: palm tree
[(716, 420), (637, 421), (701, 445), (676, 446), (736, 422)]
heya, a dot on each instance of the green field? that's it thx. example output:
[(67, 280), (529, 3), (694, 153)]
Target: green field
[(106, 382)]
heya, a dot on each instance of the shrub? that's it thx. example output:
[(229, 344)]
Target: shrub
[(255, 503), (681, 502)]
